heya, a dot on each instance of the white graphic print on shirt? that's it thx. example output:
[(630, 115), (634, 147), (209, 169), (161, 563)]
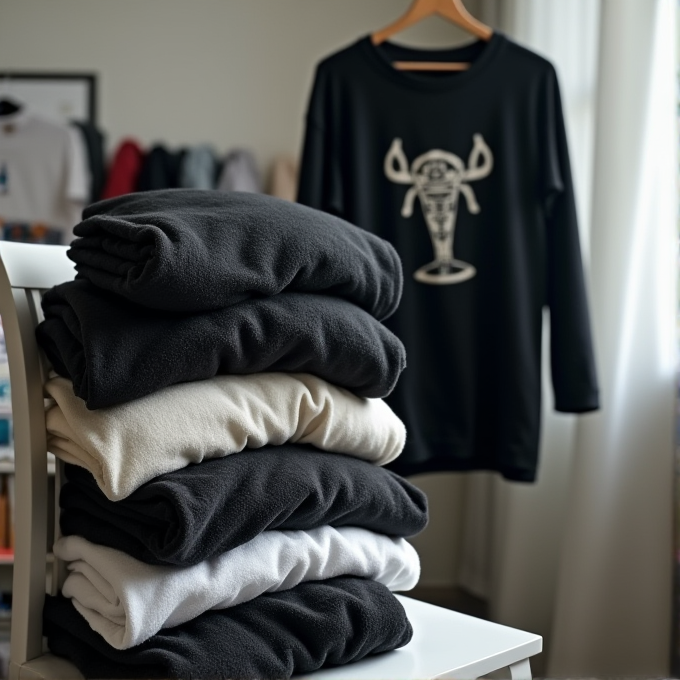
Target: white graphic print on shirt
[(438, 178)]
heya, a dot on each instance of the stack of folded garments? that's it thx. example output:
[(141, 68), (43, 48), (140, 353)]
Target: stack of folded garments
[(221, 366)]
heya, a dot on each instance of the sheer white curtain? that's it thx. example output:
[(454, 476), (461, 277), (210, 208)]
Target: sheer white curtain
[(584, 556)]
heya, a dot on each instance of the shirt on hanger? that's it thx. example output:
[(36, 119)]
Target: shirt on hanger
[(44, 180), (284, 178), (240, 173), (197, 170), (124, 170), (467, 174), (160, 169), (93, 140)]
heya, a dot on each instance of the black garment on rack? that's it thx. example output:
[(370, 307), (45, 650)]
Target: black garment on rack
[(160, 169), (93, 138), (477, 160), (315, 624)]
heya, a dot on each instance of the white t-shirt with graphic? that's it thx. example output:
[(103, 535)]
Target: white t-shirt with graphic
[(44, 178)]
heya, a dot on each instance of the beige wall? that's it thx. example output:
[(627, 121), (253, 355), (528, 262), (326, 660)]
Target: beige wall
[(189, 71), (230, 72)]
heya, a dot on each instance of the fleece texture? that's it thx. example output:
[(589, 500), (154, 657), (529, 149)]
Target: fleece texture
[(115, 351), (187, 516), (191, 250), (315, 624), (125, 446), (127, 601)]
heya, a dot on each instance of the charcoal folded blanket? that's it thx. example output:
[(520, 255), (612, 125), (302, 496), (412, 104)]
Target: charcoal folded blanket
[(315, 624), (126, 445), (184, 517), (115, 351), (127, 601), (192, 250)]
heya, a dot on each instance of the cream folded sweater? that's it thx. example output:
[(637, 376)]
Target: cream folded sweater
[(126, 445), (127, 601)]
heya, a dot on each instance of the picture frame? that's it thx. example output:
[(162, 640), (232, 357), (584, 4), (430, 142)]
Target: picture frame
[(61, 97)]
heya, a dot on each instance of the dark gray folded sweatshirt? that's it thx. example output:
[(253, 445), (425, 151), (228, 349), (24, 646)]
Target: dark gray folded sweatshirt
[(191, 250), (190, 515), (315, 624), (115, 351)]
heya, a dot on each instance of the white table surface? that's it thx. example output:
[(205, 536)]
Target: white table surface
[(445, 644)]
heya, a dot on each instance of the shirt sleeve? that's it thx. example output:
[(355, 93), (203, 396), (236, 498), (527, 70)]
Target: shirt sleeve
[(320, 183), (571, 352), (77, 181), (78, 177)]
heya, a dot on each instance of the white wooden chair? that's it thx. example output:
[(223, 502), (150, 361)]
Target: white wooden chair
[(445, 644)]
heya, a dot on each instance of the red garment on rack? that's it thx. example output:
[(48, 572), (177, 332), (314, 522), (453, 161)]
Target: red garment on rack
[(124, 169)]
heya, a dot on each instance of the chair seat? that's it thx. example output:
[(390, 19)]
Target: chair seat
[(445, 644), (49, 667)]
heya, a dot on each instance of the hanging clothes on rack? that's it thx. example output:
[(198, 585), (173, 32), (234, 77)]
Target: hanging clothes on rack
[(284, 178), (124, 169), (467, 174), (240, 173), (160, 169), (198, 168), (93, 140)]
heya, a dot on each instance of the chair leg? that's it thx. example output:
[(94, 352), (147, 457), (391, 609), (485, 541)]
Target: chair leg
[(521, 670)]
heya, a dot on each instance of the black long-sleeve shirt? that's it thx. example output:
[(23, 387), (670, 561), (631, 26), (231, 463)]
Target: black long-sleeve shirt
[(467, 175)]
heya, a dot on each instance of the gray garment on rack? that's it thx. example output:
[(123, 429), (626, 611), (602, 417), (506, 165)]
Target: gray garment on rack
[(240, 173), (198, 168)]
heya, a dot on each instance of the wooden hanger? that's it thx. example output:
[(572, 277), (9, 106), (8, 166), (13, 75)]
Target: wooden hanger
[(454, 11)]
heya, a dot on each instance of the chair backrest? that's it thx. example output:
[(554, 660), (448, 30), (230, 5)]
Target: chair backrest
[(26, 271)]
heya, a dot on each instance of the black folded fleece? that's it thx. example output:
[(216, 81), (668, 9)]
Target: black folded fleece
[(187, 516), (115, 351), (193, 250), (315, 624)]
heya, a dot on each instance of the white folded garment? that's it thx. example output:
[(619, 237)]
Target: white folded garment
[(127, 601), (126, 445)]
